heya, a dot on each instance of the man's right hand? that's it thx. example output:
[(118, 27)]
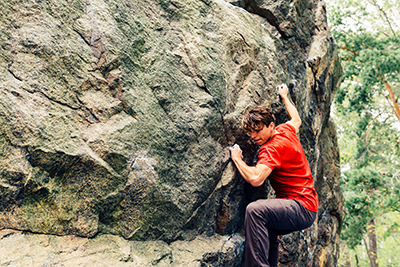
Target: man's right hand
[(236, 152), (283, 90)]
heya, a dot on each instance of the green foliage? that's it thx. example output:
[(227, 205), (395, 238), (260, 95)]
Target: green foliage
[(370, 150), (388, 232), (371, 61), (368, 194), (369, 46), (369, 138)]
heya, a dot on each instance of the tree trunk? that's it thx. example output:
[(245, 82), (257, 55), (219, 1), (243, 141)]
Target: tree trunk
[(372, 248), (357, 262), (395, 105)]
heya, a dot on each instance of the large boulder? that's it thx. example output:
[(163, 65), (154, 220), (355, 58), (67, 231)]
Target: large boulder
[(115, 115)]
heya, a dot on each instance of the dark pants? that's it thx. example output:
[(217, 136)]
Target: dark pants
[(265, 220)]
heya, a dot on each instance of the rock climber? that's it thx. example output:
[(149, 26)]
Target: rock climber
[(282, 161)]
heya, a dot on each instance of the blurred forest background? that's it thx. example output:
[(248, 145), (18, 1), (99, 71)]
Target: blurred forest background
[(367, 114)]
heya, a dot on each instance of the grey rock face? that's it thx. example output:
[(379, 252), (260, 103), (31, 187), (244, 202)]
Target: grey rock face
[(115, 115)]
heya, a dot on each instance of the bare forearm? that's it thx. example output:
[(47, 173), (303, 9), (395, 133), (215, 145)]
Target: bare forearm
[(291, 109), (246, 171), (253, 175), (295, 120)]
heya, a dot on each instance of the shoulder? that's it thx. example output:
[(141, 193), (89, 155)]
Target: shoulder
[(286, 127)]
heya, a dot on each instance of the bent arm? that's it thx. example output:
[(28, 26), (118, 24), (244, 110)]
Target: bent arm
[(253, 175), (295, 120)]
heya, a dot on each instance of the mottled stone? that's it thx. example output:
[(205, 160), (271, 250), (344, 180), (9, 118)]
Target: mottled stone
[(115, 116)]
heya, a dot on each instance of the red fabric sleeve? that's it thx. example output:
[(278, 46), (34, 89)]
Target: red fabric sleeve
[(269, 157)]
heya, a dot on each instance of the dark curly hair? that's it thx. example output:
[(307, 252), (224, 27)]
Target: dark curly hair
[(255, 118)]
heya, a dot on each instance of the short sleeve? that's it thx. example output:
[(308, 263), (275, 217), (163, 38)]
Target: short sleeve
[(270, 157), (288, 127)]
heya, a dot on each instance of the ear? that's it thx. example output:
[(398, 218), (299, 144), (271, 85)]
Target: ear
[(271, 125)]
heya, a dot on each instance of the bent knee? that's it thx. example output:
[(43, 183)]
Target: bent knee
[(253, 208)]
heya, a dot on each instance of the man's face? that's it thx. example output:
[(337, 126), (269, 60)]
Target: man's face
[(262, 136)]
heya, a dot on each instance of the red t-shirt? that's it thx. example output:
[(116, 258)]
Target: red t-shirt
[(291, 175)]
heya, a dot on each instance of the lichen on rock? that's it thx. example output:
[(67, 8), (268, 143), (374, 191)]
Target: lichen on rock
[(115, 115)]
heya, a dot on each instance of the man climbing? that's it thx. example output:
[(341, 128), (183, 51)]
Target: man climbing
[(281, 159)]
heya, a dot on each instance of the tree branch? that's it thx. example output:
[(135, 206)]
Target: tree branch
[(389, 103), (344, 47), (393, 99), (385, 16), (367, 248)]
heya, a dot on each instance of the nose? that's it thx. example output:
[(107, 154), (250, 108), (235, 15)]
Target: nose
[(253, 135)]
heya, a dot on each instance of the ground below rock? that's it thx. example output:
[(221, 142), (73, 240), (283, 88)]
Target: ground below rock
[(25, 249)]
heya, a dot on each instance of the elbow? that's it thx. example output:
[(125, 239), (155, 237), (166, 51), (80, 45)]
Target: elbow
[(298, 121), (256, 184), (256, 181)]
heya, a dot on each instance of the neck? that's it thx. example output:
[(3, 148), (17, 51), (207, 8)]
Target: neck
[(272, 135)]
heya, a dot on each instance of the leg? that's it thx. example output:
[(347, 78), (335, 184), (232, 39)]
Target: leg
[(257, 237), (273, 247), (282, 215)]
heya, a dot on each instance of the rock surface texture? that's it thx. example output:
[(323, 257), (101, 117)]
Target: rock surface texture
[(115, 116)]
